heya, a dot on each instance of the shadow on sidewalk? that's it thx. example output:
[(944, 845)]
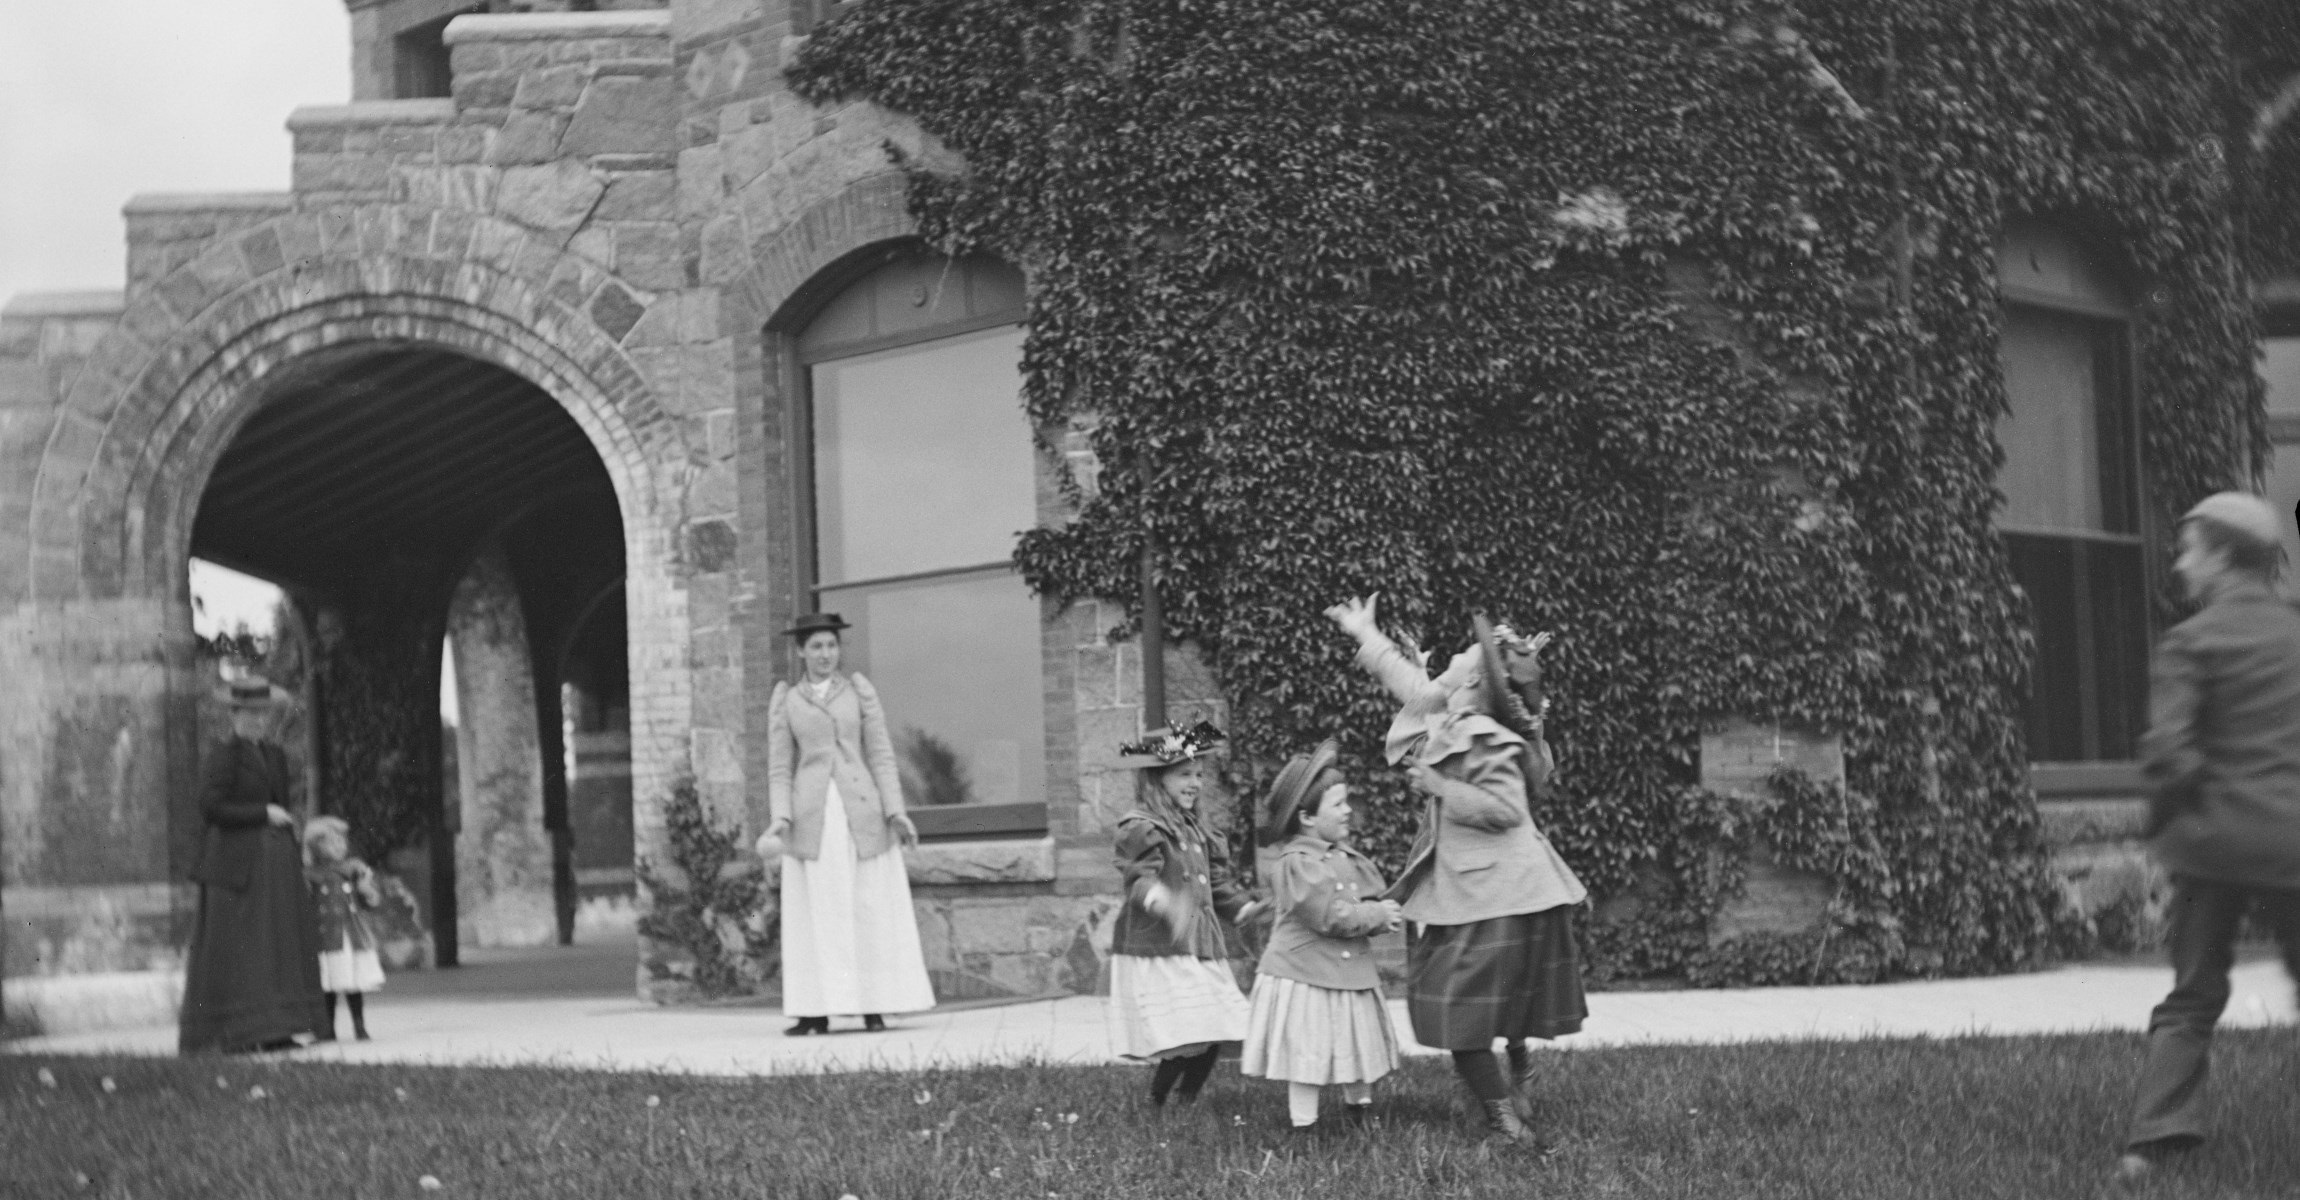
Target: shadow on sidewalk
[(602, 965)]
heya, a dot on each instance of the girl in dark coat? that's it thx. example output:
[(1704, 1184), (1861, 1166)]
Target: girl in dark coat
[(345, 891), (251, 981)]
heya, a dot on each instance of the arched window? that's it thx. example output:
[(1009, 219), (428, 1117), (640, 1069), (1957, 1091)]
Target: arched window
[(919, 472), (2072, 485)]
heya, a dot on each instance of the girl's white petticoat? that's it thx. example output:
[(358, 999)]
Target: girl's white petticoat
[(1303, 1033), (1165, 1004), (344, 969), (850, 939)]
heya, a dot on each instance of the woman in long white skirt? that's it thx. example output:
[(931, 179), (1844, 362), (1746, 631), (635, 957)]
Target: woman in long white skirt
[(1173, 999), (850, 939)]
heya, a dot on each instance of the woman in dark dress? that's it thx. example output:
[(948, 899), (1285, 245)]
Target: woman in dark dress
[(252, 980)]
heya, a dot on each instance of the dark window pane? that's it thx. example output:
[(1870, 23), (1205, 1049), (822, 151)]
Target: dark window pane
[(2119, 590), (2046, 570)]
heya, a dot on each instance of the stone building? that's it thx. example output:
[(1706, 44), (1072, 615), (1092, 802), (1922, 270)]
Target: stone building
[(581, 342)]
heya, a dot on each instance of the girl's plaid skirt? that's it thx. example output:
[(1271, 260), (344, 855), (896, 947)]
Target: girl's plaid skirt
[(1504, 977)]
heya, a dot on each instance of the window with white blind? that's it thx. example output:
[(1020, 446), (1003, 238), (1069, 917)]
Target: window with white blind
[(923, 472)]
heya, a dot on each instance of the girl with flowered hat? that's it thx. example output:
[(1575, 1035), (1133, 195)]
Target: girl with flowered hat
[(1173, 1000)]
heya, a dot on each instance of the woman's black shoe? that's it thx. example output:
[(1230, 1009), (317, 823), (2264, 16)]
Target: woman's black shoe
[(809, 1025), (874, 1023)]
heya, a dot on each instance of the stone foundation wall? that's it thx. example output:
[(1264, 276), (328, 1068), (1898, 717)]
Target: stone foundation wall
[(2105, 868), (1740, 757)]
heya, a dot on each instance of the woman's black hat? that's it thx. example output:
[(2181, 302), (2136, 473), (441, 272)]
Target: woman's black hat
[(817, 622)]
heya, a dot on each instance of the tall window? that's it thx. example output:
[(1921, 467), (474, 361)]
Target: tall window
[(2280, 370), (923, 474), (2071, 481)]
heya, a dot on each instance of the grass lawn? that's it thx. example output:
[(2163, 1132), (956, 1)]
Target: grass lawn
[(2022, 1117)]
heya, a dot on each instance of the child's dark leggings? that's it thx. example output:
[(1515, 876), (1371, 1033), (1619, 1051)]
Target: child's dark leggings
[(357, 1003), (1189, 1072), (1481, 1071)]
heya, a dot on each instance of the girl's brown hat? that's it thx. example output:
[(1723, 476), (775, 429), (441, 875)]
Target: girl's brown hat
[(1291, 789)]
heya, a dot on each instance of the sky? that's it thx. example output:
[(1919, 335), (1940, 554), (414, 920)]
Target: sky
[(104, 99)]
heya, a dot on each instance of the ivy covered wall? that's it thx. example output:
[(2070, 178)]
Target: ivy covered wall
[(1669, 326)]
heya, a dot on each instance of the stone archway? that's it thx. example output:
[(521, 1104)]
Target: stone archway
[(112, 505)]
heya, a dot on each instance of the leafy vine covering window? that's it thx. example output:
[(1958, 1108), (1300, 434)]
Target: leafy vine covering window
[(923, 473), (2071, 482)]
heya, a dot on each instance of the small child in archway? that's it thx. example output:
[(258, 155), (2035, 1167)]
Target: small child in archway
[(344, 890), (1318, 1014)]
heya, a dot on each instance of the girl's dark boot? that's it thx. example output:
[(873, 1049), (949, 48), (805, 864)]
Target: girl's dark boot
[(1195, 1071), (1521, 1080), (1162, 1080), (357, 1003)]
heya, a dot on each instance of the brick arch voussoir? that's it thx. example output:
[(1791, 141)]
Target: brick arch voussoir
[(875, 208), (110, 512)]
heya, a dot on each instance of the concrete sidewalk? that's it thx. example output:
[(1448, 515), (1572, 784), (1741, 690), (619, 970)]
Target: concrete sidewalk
[(498, 1012)]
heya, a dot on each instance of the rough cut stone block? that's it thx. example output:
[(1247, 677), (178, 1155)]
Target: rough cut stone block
[(463, 143), (701, 190), (1741, 755), (623, 114), (1028, 861), (341, 173), (1775, 899), (615, 310), (489, 89), (726, 256), (551, 87), (640, 196), (528, 137), (649, 255), (558, 196)]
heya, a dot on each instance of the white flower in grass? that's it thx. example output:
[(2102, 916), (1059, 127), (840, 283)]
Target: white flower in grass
[(924, 1097), (430, 1183), (400, 1093), (1237, 1120), (47, 1078), (995, 1173), (257, 1092), (223, 1084), (80, 1179), (107, 1084), (654, 1102), (1070, 1118)]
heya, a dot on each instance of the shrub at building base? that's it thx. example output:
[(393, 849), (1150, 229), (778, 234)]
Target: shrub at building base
[(711, 918), (1669, 326)]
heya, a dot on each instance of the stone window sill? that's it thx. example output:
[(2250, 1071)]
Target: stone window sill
[(1003, 860)]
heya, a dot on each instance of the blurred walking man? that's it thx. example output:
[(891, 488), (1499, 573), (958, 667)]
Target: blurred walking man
[(2223, 763)]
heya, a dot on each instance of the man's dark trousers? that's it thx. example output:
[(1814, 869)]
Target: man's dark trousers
[(2206, 914)]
